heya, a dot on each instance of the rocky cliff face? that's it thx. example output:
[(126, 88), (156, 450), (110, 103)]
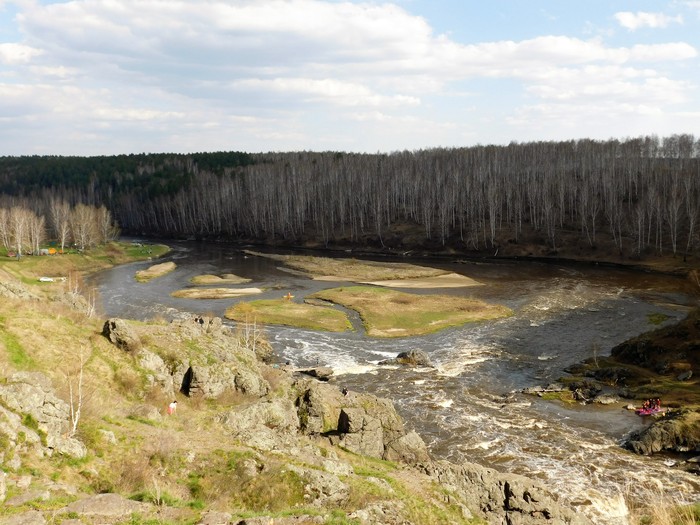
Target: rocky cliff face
[(246, 424), (679, 431)]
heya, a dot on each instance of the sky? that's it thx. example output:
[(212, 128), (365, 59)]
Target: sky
[(105, 77)]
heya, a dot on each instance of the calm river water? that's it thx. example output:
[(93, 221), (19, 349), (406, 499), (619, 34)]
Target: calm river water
[(468, 407)]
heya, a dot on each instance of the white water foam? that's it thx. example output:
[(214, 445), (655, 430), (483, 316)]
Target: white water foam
[(464, 357)]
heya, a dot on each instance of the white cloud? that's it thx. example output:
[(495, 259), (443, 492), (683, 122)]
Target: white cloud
[(11, 53), (281, 69), (634, 21), (338, 92)]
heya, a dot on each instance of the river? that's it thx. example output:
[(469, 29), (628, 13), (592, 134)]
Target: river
[(468, 407)]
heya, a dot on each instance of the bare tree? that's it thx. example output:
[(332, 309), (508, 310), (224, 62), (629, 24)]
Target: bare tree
[(5, 228), (105, 226), (82, 225), (36, 231), (59, 212), (76, 394), (19, 226)]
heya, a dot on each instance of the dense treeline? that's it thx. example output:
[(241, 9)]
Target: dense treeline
[(639, 194)]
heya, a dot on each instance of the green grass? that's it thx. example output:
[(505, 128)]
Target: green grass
[(273, 490), (289, 313), (16, 353), (657, 318), (390, 313)]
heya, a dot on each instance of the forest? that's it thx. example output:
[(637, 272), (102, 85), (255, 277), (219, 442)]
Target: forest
[(636, 196)]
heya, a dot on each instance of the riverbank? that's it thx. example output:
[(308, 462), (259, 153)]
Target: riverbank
[(661, 364), (410, 244)]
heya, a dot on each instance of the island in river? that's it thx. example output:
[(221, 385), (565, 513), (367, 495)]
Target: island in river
[(384, 312)]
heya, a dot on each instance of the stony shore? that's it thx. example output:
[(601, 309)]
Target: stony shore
[(661, 364)]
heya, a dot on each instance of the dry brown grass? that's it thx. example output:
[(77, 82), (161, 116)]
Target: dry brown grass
[(652, 506), (289, 313), (157, 270), (353, 269), (389, 313), (214, 293), (227, 278)]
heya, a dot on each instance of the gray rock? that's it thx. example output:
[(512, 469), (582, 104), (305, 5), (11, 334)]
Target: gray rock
[(16, 289), (363, 423), (502, 498), (107, 506), (384, 512), (321, 489), (318, 405), (212, 517), (28, 496), (322, 373), (606, 399), (361, 432), (23, 482), (32, 517), (409, 448), (211, 381), (291, 520), (678, 431), (108, 436), (31, 393), (279, 414), (251, 383), (410, 358), (337, 467), (685, 375), (121, 334), (146, 412)]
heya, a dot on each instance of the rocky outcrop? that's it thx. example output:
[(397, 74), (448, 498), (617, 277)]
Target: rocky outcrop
[(416, 358), (500, 498), (37, 415), (322, 373), (225, 365), (667, 350), (361, 423), (212, 381), (107, 508), (121, 334), (678, 431), (14, 289), (321, 488), (279, 414)]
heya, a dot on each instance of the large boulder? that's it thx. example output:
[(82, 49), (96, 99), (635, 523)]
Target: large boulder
[(361, 432), (318, 405), (121, 334), (678, 431), (410, 358), (501, 498), (45, 415), (15, 289), (107, 508), (279, 414), (362, 423), (211, 381), (321, 489)]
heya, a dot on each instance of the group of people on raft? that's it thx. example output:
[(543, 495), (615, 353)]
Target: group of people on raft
[(652, 405)]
